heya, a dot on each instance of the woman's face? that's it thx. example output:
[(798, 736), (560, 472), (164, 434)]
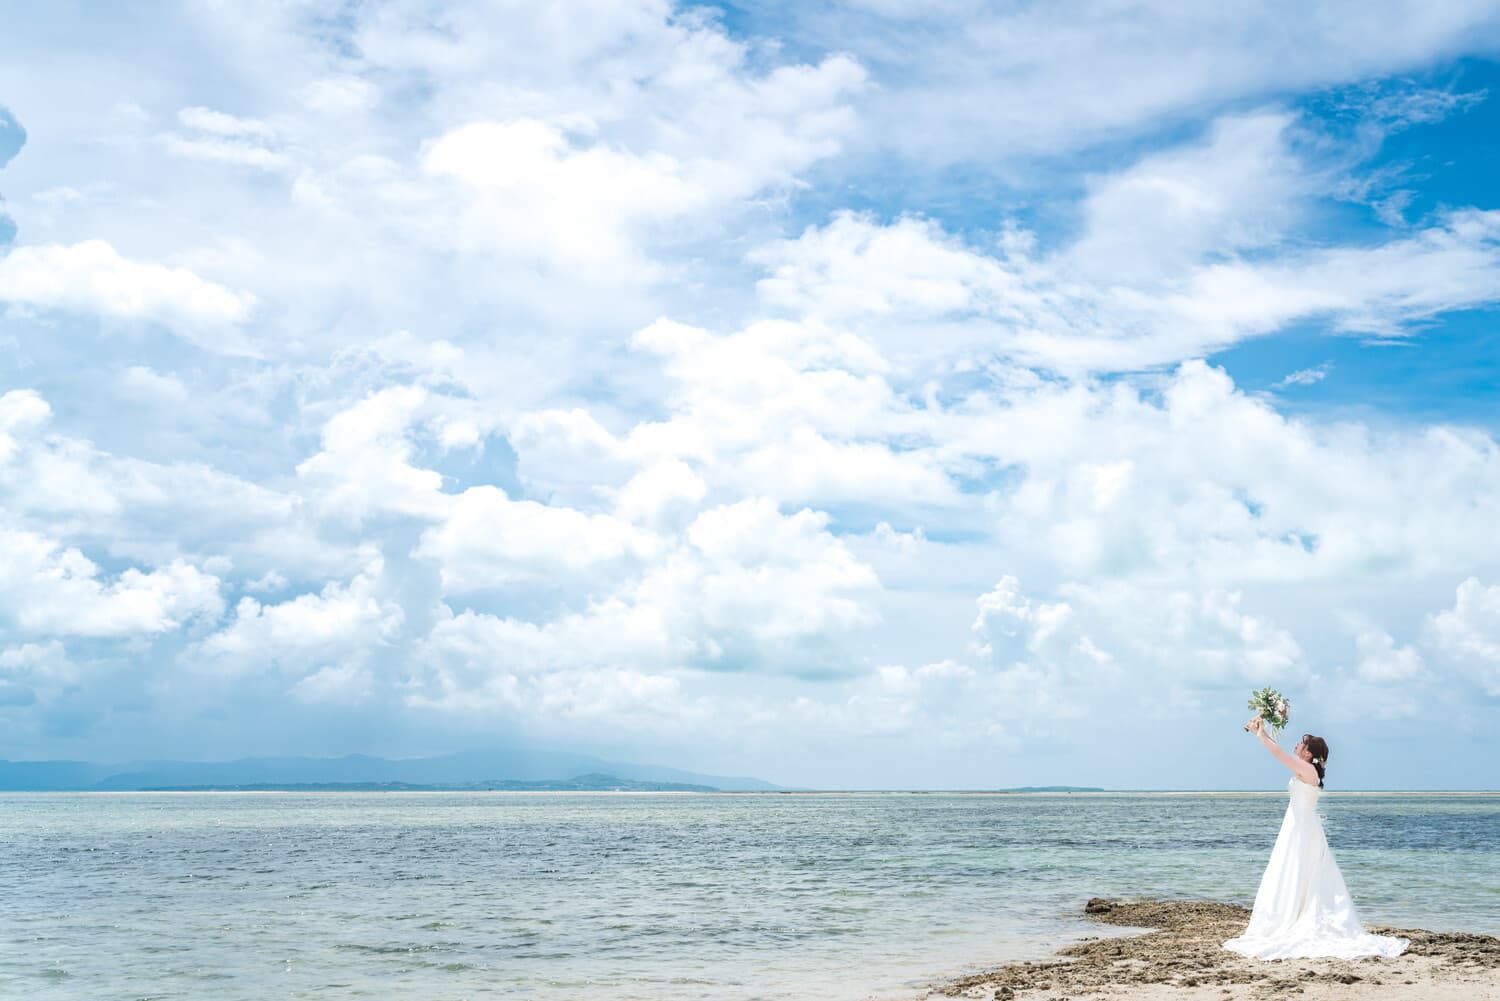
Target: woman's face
[(1301, 751)]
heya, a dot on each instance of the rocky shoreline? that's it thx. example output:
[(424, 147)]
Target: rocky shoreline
[(1182, 959)]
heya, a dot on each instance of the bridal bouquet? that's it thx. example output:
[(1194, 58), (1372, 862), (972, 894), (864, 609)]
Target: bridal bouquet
[(1273, 707)]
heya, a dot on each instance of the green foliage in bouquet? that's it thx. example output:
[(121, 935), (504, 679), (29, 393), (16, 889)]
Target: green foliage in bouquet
[(1273, 707)]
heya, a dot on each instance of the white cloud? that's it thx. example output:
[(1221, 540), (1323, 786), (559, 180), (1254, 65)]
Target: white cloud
[(337, 627), (1305, 376), (1217, 638), (1223, 486), (749, 589), (20, 410), (341, 95), (665, 491), (534, 191), (269, 581), (1013, 628), (1382, 661), (1468, 634), (854, 267), (988, 83), (365, 464), (498, 678), (1111, 648), (92, 277), (801, 412), (34, 672), (46, 589), (141, 511), (488, 540), (639, 72), (779, 576), (906, 543), (1177, 301), (219, 150), (221, 124), (756, 589), (1422, 106), (1239, 190), (225, 138), (656, 128), (146, 384), (467, 478)]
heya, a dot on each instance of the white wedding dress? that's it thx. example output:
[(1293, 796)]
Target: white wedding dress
[(1303, 909)]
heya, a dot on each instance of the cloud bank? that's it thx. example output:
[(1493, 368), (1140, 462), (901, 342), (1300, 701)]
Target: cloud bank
[(446, 381)]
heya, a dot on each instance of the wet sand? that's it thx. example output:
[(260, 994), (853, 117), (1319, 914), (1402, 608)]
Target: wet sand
[(1182, 960)]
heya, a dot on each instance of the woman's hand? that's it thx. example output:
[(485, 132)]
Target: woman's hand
[(1255, 725)]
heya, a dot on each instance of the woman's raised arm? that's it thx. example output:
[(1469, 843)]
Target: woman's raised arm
[(1302, 769)]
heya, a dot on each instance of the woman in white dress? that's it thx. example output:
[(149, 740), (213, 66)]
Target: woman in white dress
[(1303, 909)]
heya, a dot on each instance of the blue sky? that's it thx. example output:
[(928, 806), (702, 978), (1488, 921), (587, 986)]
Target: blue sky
[(870, 395)]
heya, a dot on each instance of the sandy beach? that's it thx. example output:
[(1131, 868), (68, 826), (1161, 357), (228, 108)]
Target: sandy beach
[(1179, 958)]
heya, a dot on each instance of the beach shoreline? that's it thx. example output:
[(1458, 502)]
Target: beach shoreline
[(1178, 955)]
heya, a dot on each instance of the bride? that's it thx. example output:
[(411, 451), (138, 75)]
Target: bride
[(1303, 908)]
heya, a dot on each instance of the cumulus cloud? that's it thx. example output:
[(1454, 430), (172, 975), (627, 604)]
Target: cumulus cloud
[(1108, 634), (49, 590), (576, 206), (92, 277), (583, 179), (549, 191), (1221, 484), (853, 266), (748, 589), (660, 493), (1383, 661), (33, 673), (488, 540), (132, 509), (365, 464), (1186, 251), (20, 410), (779, 577), (1468, 634), (613, 378), (798, 410), (1013, 629), (321, 640)]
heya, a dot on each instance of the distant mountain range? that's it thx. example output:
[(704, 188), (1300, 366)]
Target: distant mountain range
[(492, 769)]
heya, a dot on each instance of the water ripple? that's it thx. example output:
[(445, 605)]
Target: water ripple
[(664, 897)]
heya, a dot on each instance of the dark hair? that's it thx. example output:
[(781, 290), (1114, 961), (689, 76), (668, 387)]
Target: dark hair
[(1319, 748)]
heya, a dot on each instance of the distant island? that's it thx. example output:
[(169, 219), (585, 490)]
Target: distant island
[(582, 783), (510, 769), (495, 769)]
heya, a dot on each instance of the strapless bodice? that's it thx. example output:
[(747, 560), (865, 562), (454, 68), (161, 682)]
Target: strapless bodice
[(1304, 797)]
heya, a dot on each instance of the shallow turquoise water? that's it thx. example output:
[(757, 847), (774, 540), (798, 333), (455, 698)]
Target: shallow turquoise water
[(437, 896)]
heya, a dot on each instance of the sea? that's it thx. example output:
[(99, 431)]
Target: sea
[(661, 896)]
